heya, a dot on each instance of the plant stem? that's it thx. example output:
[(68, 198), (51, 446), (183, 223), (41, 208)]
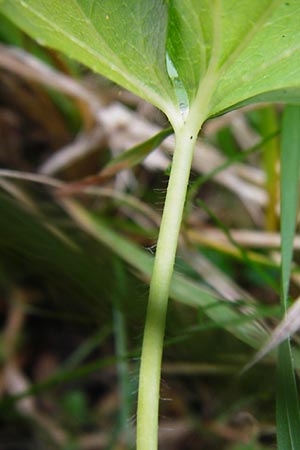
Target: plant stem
[(149, 380)]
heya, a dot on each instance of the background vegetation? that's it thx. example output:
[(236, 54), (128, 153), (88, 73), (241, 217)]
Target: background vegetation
[(75, 262)]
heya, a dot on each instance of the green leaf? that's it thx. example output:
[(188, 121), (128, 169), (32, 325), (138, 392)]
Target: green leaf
[(190, 41), (220, 54), (117, 39), (288, 413), (205, 34), (262, 63), (9, 33)]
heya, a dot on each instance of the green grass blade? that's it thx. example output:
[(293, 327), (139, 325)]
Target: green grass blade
[(287, 408), (125, 160), (290, 167), (182, 288), (288, 415)]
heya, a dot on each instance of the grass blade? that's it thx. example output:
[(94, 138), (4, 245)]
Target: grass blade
[(182, 288), (125, 160), (287, 411), (287, 408), (290, 168)]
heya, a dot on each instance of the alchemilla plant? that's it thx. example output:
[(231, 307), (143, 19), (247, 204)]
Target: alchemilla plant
[(193, 59)]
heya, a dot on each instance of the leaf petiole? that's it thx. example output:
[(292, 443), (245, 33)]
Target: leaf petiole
[(149, 381)]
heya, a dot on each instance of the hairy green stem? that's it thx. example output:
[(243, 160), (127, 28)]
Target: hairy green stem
[(149, 380)]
